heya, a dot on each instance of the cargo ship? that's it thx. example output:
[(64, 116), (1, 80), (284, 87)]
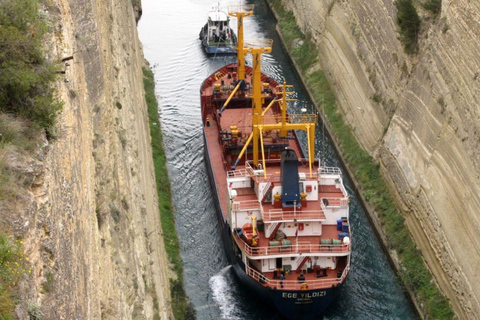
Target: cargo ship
[(284, 215)]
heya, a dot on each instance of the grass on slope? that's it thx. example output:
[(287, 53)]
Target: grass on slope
[(182, 307), (12, 267)]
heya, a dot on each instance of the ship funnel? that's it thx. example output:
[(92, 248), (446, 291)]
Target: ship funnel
[(289, 178)]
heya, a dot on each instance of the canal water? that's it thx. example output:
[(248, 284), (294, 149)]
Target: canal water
[(169, 32)]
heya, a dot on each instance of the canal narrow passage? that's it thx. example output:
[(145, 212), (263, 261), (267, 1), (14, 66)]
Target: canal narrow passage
[(169, 32)]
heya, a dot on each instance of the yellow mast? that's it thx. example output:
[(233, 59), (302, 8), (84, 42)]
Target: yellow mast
[(240, 12), (257, 49)]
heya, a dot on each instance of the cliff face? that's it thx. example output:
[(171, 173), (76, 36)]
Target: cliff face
[(90, 224), (419, 117)]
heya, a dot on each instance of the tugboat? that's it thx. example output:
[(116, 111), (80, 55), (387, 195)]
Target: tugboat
[(217, 37), (284, 215)]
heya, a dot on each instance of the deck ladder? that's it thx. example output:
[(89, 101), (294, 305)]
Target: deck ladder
[(267, 189), (301, 264), (272, 230), (269, 186)]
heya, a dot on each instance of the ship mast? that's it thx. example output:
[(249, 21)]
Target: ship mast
[(240, 12), (256, 50)]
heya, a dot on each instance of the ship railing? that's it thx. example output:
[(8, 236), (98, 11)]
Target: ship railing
[(258, 175), (330, 170), (334, 202), (246, 205), (282, 248), (249, 169), (237, 173), (295, 284), (280, 215)]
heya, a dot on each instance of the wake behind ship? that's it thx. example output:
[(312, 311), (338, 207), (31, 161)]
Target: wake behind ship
[(284, 216)]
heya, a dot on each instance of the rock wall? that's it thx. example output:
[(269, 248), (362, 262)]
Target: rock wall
[(90, 223), (418, 116)]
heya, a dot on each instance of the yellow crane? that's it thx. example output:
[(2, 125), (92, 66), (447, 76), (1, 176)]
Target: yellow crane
[(292, 122)]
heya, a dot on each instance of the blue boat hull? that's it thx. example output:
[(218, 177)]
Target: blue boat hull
[(295, 305), (212, 51)]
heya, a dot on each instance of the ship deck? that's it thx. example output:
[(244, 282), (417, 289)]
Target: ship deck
[(305, 244), (309, 210), (315, 278)]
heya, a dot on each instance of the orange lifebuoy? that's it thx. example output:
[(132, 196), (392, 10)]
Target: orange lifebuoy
[(304, 287)]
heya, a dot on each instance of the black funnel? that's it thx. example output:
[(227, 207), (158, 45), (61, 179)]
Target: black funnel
[(289, 179)]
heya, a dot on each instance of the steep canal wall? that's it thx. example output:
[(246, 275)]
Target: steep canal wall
[(88, 215), (417, 115)]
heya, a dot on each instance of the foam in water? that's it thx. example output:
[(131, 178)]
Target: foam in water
[(223, 295)]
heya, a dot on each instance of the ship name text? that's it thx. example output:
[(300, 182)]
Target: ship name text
[(307, 295)]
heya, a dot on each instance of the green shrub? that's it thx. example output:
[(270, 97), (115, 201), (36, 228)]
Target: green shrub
[(434, 6), (409, 23), (26, 74), (35, 312), (18, 131), (376, 97), (12, 267), (48, 284)]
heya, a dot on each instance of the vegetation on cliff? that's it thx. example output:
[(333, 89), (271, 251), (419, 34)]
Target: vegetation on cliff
[(27, 105), (409, 23), (27, 75), (182, 307), (434, 6), (413, 272), (12, 267)]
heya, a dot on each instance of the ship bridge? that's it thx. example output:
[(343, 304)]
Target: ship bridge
[(311, 227)]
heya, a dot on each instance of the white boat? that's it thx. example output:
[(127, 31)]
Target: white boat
[(217, 37)]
